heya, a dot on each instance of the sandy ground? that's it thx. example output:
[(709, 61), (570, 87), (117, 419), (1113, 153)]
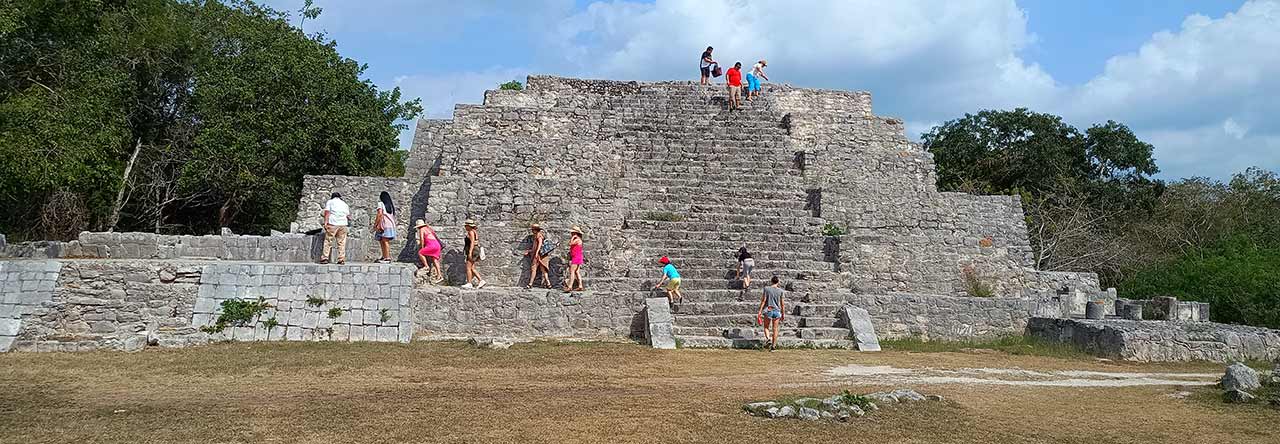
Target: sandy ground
[(592, 392)]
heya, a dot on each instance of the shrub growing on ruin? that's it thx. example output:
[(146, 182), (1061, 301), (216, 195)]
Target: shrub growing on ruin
[(237, 313), (511, 86)]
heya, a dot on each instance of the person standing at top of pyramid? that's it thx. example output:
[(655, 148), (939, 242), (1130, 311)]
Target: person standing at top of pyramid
[(734, 78), (753, 79), (704, 65)]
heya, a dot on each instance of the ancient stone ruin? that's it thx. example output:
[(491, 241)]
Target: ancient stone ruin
[(835, 201)]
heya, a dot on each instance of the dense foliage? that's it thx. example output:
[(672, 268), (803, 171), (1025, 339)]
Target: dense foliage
[(176, 116), (1078, 187), (1092, 206)]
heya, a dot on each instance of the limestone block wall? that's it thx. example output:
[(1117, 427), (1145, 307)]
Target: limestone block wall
[(1161, 341), (373, 301), (76, 305), (279, 247), (111, 304), (451, 312), (25, 286), (946, 318)]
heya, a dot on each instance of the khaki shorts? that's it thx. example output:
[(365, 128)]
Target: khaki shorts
[(673, 285), (735, 92)]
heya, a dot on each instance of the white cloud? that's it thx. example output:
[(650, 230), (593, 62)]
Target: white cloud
[(935, 59), (1204, 95)]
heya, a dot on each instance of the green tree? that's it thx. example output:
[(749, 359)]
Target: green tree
[(512, 86), (1078, 187), (219, 109)]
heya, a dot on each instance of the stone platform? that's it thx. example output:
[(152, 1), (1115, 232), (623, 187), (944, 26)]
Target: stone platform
[(1161, 341), (72, 305)]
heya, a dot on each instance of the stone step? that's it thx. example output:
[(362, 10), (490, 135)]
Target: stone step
[(788, 275), (751, 305), (760, 251), (827, 297), (780, 208), (706, 193), (784, 342), (757, 332), (761, 265), (799, 231), (640, 200), (643, 283)]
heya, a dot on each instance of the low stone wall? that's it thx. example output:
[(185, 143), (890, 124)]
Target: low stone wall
[(948, 318), (443, 312), (24, 287), (73, 305), (279, 247), (1161, 341)]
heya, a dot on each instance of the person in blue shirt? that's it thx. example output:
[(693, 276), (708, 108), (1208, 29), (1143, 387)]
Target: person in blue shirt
[(672, 278)]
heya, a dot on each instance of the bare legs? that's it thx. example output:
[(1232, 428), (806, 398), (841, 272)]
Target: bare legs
[(574, 276), (437, 274), (536, 263), (386, 247), (472, 273)]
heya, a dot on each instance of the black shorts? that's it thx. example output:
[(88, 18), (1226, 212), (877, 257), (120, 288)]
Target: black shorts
[(706, 72)]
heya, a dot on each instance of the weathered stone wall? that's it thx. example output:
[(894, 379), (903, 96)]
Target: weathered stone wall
[(451, 312), (75, 305), (112, 304), (24, 288), (1161, 341), (373, 299), (278, 247), (945, 318)]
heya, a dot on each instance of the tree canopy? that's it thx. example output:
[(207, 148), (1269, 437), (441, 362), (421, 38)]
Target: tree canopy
[(215, 111), (1092, 205)]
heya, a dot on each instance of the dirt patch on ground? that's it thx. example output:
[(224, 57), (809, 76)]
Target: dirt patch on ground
[(579, 392)]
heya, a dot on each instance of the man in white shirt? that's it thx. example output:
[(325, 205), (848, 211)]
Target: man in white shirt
[(335, 217)]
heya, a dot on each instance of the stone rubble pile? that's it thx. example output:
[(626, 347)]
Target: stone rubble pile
[(1241, 383), (841, 407)]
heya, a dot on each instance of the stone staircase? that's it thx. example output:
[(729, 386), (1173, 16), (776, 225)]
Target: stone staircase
[(705, 181)]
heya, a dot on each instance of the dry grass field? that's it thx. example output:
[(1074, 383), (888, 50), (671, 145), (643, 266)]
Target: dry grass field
[(571, 392)]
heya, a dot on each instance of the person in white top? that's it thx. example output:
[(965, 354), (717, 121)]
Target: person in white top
[(753, 79), (335, 217)]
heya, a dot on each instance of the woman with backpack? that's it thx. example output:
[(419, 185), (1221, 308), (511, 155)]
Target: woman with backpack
[(471, 246), (384, 226), (575, 261), (539, 257)]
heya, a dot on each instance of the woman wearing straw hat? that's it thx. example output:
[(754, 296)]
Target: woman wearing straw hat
[(538, 258), (430, 249), (575, 261), (471, 245)]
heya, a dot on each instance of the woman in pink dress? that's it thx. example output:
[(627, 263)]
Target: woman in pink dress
[(575, 261), (430, 249)]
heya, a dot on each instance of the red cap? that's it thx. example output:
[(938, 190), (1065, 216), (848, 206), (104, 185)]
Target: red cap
[(664, 260)]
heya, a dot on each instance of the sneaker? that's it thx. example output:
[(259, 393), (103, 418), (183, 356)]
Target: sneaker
[(481, 284), (384, 261), (468, 286)]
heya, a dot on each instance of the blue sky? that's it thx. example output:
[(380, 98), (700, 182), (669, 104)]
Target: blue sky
[(1198, 79)]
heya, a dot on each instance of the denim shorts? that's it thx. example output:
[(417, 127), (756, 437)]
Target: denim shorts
[(772, 313)]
